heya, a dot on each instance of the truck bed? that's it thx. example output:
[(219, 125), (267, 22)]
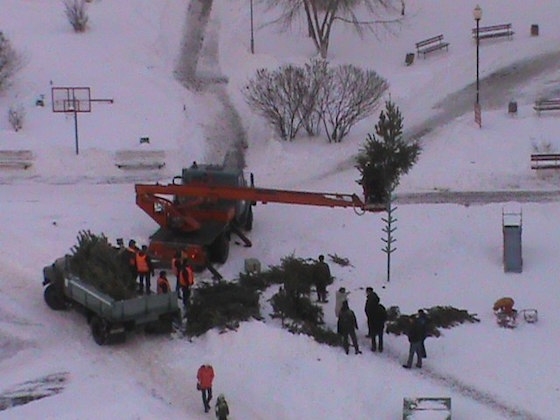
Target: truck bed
[(141, 309)]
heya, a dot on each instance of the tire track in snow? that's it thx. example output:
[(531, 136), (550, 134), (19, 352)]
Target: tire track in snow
[(469, 391)]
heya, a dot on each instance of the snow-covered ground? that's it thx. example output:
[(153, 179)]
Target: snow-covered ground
[(446, 254)]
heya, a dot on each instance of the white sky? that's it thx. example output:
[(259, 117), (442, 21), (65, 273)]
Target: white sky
[(446, 254)]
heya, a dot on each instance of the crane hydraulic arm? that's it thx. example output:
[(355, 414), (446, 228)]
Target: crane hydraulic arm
[(151, 198)]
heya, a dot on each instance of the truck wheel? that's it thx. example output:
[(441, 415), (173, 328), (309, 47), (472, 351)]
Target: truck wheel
[(53, 298), (99, 330), (219, 250), (249, 221)]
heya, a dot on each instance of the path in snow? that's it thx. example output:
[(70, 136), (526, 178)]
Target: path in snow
[(199, 70)]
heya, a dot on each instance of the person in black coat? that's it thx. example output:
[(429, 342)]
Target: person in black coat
[(415, 335), (372, 299), (347, 326), (424, 321), (377, 327)]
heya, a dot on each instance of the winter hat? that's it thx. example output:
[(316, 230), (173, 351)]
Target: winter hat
[(342, 290)]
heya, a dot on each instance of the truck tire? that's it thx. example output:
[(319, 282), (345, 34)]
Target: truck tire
[(54, 298), (219, 250), (99, 330)]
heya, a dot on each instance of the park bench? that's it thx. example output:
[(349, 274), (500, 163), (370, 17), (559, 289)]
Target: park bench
[(427, 408), (140, 159), (494, 31), (546, 105), (545, 161), (16, 159), (430, 45)]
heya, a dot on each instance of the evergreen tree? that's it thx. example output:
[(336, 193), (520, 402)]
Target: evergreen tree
[(95, 261), (385, 156)]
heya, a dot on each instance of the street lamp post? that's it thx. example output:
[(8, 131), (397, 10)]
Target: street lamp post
[(477, 14), (252, 34)]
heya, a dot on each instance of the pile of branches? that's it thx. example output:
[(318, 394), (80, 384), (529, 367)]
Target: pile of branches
[(438, 317), (221, 305), (95, 261)]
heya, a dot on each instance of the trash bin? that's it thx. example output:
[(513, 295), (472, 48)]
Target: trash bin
[(512, 107), (409, 59), (534, 30)]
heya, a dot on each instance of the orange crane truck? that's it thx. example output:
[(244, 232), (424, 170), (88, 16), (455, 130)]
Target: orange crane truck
[(200, 210)]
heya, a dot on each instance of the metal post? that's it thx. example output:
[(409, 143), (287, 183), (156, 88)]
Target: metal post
[(76, 131), (477, 60), (252, 33)]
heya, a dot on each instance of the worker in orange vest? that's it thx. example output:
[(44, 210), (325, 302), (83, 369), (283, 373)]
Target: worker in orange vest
[(176, 268), (145, 270), (186, 280), (205, 376), (162, 283)]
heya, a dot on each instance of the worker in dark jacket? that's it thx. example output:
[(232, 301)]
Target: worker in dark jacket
[(222, 408), (145, 270), (162, 283), (424, 321), (322, 278), (379, 317), (129, 254), (347, 326), (415, 335), (372, 299)]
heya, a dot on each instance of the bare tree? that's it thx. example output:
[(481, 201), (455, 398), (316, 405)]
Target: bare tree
[(279, 96), (10, 62), (320, 16), (76, 13), (352, 94), (16, 115)]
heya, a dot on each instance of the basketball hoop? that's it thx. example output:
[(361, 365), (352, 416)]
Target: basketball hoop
[(71, 101)]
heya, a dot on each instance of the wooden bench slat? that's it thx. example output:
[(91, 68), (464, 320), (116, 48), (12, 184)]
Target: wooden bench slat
[(493, 31), (140, 159), (545, 161), (16, 159), (546, 105), (431, 44)]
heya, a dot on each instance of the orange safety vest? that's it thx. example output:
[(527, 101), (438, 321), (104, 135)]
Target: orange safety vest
[(162, 285), (186, 277), (142, 263)]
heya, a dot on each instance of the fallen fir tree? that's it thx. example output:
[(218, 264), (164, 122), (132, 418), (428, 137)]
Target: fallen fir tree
[(95, 261), (438, 317)]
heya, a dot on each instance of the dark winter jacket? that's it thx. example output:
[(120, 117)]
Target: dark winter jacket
[(371, 303), (423, 320), (379, 318), (347, 322), (322, 274), (415, 331)]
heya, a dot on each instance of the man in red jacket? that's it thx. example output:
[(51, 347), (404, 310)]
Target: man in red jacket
[(205, 376)]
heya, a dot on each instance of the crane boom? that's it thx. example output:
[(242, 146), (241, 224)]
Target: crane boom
[(262, 195)]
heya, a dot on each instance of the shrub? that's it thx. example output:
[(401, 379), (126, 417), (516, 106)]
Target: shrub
[(351, 95), (291, 97), (76, 13), (10, 62), (16, 115)]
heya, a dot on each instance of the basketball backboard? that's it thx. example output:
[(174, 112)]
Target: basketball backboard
[(71, 99)]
